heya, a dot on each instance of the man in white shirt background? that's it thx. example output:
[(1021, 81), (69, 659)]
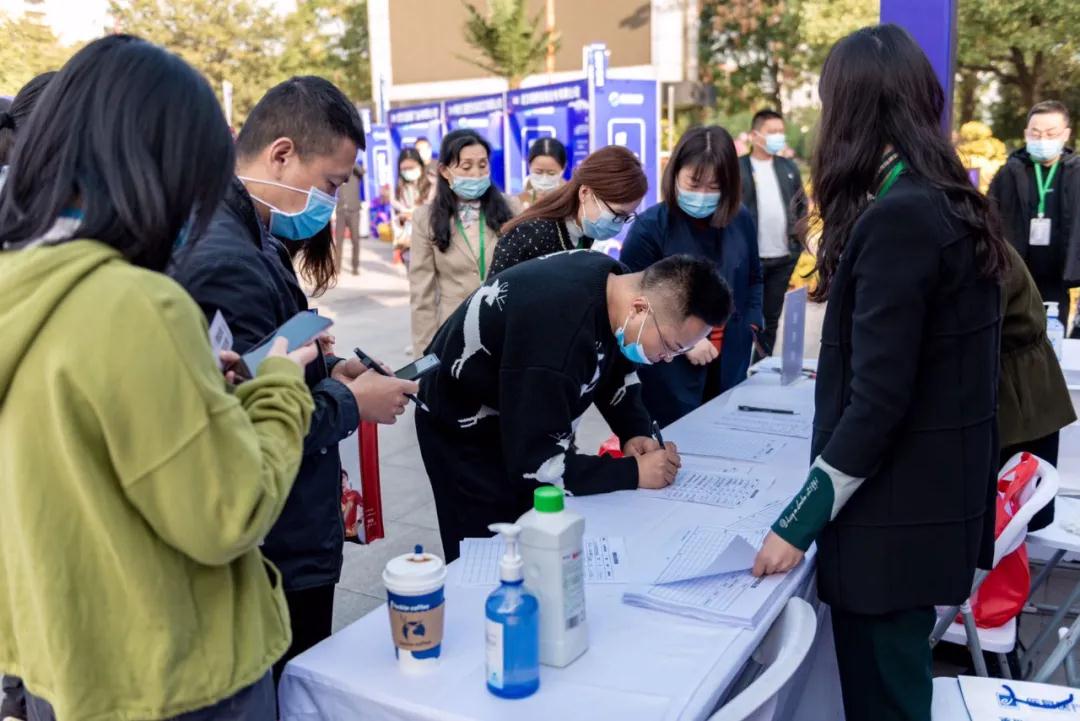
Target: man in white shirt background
[(772, 191)]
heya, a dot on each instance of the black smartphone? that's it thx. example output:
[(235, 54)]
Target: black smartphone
[(419, 368), (299, 330)]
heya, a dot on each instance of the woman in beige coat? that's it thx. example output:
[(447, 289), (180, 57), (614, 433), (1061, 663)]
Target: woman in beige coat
[(454, 236)]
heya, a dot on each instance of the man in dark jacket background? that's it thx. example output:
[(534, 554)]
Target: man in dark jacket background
[(1040, 185), (772, 191), (296, 149)]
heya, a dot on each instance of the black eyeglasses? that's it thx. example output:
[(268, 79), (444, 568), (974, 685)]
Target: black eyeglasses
[(622, 218), (669, 350)]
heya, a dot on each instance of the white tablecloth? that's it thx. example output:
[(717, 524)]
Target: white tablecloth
[(641, 664)]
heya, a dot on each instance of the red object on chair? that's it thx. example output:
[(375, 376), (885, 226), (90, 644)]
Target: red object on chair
[(1002, 595), (611, 447), (369, 482)]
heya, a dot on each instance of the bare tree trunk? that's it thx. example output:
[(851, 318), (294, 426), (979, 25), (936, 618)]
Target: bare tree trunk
[(967, 90)]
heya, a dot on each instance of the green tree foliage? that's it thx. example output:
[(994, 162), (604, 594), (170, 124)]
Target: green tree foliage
[(29, 48), (749, 50), (1029, 47), (510, 43), (330, 38), (224, 39), (244, 42), (823, 22)]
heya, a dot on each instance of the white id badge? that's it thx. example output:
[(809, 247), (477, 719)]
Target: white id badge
[(1040, 232), (221, 337)]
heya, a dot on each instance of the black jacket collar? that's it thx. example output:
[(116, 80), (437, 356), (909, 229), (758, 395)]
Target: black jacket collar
[(241, 204)]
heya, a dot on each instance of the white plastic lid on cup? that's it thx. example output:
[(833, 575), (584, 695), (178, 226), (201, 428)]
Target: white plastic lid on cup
[(414, 573)]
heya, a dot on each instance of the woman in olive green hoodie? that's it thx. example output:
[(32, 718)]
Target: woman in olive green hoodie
[(135, 486)]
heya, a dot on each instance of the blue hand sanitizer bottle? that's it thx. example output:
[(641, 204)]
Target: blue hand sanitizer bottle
[(513, 626)]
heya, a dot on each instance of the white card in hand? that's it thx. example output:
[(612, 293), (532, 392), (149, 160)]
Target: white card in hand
[(221, 337), (1040, 232)]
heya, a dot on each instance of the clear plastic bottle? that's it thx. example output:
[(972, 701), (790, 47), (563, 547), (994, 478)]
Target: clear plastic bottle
[(1055, 330), (512, 628)]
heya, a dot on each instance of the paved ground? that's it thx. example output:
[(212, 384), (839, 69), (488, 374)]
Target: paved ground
[(372, 311)]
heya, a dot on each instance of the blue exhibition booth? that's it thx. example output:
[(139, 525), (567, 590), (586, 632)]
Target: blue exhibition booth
[(584, 114)]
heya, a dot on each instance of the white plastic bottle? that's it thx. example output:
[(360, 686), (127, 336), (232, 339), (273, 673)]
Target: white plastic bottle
[(1055, 330), (551, 546)]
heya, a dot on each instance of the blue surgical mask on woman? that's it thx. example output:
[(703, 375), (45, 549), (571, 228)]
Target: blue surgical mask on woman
[(302, 224), (1042, 151), (634, 352), (469, 188), (775, 143), (606, 225), (698, 205)]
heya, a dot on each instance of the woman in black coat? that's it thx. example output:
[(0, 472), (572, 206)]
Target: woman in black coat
[(900, 493)]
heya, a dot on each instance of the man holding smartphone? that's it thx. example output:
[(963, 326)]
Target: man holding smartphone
[(298, 146)]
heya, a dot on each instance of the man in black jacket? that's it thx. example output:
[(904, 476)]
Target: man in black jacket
[(298, 146), (1039, 186), (772, 191), (523, 359)]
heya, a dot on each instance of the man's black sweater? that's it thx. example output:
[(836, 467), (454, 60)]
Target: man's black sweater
[(522, 360)]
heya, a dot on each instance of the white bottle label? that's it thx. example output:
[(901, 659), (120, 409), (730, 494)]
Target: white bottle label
[(493, 631), (574, 589)]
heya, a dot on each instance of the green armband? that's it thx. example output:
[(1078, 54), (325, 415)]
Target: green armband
[(808, 512)]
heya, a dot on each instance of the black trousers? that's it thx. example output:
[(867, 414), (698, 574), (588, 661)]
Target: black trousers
[(777, 272), (469, 481), (348, 218), (885, 664), (311, 615)]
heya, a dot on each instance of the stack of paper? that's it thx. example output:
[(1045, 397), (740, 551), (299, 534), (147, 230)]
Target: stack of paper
[(709, 439), (707, 576)]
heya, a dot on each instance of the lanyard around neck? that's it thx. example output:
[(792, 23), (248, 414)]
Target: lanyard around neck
[(890, 179), (481, 259), (1044, 188)]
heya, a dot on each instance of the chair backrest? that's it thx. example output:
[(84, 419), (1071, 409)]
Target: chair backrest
[(781, 652), (1036, 496)]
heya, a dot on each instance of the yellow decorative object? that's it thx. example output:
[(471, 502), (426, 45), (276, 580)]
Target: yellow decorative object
[(979, 149)]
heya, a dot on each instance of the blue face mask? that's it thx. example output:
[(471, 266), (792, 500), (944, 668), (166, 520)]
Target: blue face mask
[(1042, 151), (634, 352), (698, 205), (606, 225), (775, 143), (305, 223), (468, 188)]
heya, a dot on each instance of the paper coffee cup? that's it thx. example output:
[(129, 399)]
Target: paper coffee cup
[(414, 593)]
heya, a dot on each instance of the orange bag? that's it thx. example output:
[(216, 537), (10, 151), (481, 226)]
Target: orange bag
[(1002, 596)]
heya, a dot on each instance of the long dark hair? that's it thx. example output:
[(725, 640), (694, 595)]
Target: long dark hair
[(613, 173), (445, 205), (315, 259), (548, 147), (878, 90), (15, 116), (706, 148), (135, 137)]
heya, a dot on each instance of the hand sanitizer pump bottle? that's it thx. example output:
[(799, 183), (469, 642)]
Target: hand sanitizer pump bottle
[(513, 626)]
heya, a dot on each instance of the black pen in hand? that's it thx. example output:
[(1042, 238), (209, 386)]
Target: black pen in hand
[(657, 434), (372, 364)]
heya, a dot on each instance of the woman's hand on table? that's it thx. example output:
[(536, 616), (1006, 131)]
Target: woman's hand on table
[(776, 556)]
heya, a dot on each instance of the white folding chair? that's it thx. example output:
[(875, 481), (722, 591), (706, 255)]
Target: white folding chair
[(781, 653), (1000, 640)]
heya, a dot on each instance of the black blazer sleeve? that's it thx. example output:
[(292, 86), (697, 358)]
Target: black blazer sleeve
[(895, 274), (642, 246)]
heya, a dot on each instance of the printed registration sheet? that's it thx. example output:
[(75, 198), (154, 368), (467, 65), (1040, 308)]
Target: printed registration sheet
[(605, 561)]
